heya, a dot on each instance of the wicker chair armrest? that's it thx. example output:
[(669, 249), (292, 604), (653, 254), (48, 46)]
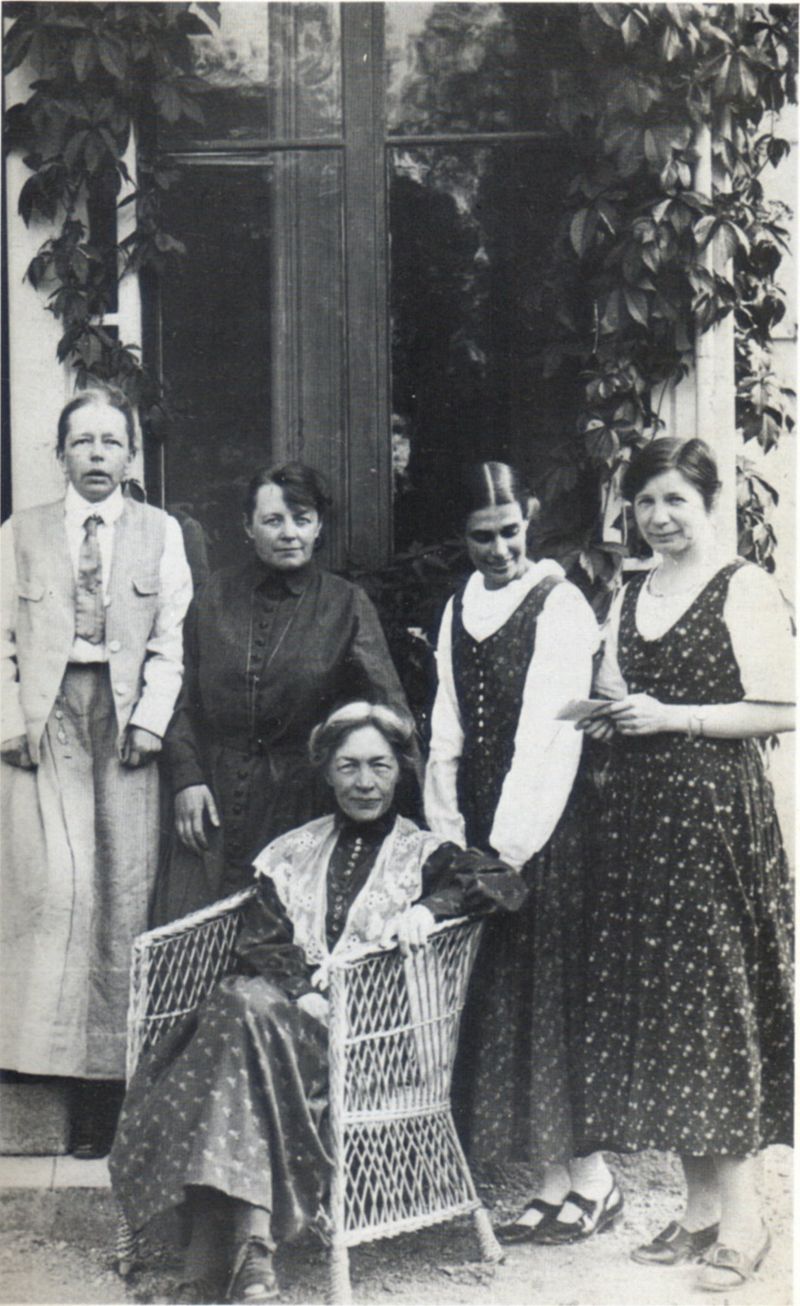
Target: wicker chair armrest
[(174, 967), (353, 958)]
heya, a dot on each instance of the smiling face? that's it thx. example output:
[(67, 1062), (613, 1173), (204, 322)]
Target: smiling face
[(284, 536), (672, 516), (496, 540), (364, 772), (96, 453)]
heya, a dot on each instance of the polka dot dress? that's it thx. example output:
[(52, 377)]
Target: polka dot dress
[(689, 1009)]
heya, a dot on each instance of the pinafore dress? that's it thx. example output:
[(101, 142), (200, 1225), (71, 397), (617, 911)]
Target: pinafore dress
[(516, 1078), (689, 1012)]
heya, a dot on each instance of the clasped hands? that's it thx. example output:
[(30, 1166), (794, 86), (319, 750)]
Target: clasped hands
[(636, 714)]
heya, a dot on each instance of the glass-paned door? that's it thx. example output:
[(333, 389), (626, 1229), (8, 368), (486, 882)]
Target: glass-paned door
[(251, 332)]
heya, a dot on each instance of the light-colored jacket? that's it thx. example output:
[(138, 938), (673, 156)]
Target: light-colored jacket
[(143, 624)]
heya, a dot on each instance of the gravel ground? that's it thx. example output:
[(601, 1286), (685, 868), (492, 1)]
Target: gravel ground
[(438, 1265)]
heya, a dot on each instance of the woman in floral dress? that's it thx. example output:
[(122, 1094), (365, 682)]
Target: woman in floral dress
[(689, 1015), (515, 646)]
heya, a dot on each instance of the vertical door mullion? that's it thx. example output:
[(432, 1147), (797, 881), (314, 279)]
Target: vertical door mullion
[(368, 472)]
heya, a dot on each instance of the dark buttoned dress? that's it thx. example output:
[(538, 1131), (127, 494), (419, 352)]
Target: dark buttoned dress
[(267, 656)]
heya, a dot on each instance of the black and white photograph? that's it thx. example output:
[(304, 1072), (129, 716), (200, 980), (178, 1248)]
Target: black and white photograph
[(398, 540)]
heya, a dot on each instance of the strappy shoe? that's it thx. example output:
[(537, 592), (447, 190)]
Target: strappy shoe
[(724, 1269), (674, 1245), (516, 1232), (595, 1217), (252, 1276)]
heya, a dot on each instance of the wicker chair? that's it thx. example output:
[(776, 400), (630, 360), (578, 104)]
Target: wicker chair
[(393, 1026)]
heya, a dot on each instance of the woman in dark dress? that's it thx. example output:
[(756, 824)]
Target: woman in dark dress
[(689, 1035), (269, 648), (226, 1115), (515, 647)]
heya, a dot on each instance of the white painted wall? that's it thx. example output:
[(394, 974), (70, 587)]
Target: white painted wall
[(39, 385)]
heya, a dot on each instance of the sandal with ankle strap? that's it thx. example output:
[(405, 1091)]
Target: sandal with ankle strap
[(675, 1245), (724, 1269), (595, 1217), (517, 1232), (252, 1280)]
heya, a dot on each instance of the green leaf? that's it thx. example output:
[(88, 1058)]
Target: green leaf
[(112, 57), (84, 56), (636, 301)]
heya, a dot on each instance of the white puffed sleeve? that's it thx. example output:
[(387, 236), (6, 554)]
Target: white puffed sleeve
[(546, 751), (447, 742), (760, 631)]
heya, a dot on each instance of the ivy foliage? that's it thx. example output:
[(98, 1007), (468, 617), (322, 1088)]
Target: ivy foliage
[(633, 91), (102, 70), (633, 275)]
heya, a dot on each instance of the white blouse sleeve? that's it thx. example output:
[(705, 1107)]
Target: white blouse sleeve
[(608, 680), (447, 742), (546, 751), (760, 631), (13, 720)]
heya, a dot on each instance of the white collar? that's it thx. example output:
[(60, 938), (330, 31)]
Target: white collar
[(77, 509), (484, 611)]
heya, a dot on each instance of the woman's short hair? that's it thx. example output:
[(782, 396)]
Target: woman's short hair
[(302, 487), (692, 458), (491, 484), (108, 395), (396, 727)]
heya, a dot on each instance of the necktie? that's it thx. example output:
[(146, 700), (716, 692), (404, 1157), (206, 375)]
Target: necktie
[(90, 617)]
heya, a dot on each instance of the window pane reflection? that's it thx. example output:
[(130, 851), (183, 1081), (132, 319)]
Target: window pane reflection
[(465, 67), (270, 72), (471, 230), (252, 350)]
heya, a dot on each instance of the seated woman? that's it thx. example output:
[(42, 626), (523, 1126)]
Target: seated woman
[(226, 1115)]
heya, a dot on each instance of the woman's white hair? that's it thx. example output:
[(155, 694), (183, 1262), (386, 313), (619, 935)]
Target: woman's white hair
[(396, 727)]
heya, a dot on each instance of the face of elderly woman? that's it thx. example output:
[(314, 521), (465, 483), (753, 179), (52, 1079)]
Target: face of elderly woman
[(283, 536), (496, 542), (364, 772), (671, 515)]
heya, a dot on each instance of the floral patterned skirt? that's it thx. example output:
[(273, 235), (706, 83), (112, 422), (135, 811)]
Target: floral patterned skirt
[(689, 1006), (234, 1099)]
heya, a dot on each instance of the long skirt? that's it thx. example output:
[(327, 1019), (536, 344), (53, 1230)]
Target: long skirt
[(80, 850), (519, 1076), (689, 1038), (233, 1099)]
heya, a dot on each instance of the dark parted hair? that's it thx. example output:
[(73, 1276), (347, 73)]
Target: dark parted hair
[(490, 484), (108, 395), (302, 488), (396, 727), (692, 458)]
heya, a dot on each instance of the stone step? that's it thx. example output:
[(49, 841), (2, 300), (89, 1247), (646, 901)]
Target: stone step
[(58, 1197)]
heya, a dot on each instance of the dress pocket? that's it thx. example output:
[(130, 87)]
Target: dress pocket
[(147, 585), (31, 590)]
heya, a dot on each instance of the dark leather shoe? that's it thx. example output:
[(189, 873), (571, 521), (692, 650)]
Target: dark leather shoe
[(514, 1233), (674, 1245), (595, 1217), (253, 1279)]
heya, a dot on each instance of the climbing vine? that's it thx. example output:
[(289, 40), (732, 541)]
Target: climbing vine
[(636, 89), (632, 279), (102, 71)]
